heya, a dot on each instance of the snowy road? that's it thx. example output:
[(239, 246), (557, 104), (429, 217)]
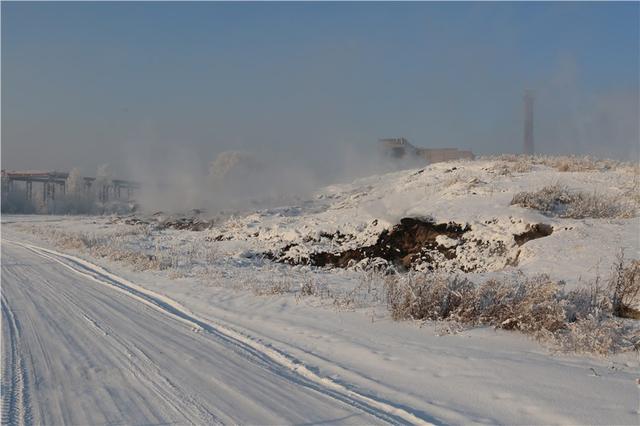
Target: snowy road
[(80, 346)]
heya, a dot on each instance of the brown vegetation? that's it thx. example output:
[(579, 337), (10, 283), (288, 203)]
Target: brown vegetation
[(582, 320), (624, 287), (558, 200), (533, 232)]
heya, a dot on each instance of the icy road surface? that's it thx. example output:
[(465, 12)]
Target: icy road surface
[(79, 346)]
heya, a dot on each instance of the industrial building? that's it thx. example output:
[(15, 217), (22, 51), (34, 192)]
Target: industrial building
[(400, 148)]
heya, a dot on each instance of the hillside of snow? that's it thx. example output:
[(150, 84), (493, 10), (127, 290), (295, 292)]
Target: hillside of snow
[(476, 195)]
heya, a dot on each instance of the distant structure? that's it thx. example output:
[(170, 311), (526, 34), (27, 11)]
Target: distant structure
[(54, 183), (397, 148), (528, 122), (400, 148)]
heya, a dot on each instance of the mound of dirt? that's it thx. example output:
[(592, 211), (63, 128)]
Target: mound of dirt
[(418, 244), (405, 244), (185, 224), (537, 230)]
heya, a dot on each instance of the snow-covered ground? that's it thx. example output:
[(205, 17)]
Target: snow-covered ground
[(476, 375)]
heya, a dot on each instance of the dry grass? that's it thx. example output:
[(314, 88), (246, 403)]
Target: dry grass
[(583, 320), (508, 168), (311, 286), (624, 288), (368, 291), (562, 163), (428, 297), (558, 200), (273, 286), (529, 305), (115, 246), (596, 336)]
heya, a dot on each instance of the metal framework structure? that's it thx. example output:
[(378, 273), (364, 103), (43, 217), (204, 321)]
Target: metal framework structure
[(54, 182), (399, 148)]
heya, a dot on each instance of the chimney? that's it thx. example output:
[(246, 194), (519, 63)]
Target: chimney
[(528, 122)]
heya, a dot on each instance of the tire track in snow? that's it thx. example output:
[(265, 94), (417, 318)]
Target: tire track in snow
[(135, 361), (172, 395), (281, 363), (16, 404)]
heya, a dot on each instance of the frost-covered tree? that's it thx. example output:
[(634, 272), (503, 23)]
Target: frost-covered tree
[(75, 182), (76, 200), (103, 181), (104, 174), (230, 163)]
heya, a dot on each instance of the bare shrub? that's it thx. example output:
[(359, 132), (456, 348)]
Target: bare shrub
[(624, 287), (530, 305), (139, 261), (177, 274), (209, 253), (598, 206), (562, 163), (558, 200), (273, 286), (579, 164), (108, 246), (599, 336), (521, 166), (547, 199), (311, 286), (307, 288), (369, 290), (592, 301), (429, 297), (582, 320), (463, 180), (507, 168), (71, 241)]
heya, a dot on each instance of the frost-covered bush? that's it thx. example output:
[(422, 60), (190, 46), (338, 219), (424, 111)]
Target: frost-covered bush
[(579, 164), (558, 200), (583, 320), (368, 291), (528, 305), (594, 335), (531, 305), (624, 287), (112, 246), (514, 164), (74, 203), (429, 297), (273, 286), (17, 203), (310, 286), (562, 163)]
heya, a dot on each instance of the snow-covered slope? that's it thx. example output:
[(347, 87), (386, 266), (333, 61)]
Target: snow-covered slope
[(476, 194)]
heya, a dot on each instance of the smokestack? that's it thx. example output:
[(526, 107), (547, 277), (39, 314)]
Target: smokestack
[(528, 122)]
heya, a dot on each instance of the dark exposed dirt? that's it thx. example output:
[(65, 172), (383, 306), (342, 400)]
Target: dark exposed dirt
[(538, 230), (401, 246), (185, 224), (406, 245), (129, 220), (628, 312), (158, 221)]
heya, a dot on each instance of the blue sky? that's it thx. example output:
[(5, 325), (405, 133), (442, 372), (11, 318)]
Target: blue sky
[(88, 83)]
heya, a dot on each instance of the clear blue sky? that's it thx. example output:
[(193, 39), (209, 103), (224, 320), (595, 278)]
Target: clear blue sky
[(87, 83)]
